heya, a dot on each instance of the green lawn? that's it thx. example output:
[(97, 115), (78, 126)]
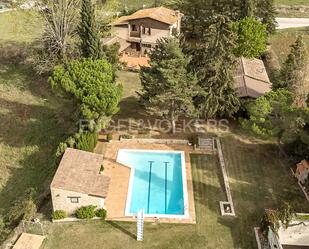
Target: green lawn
[(136, 3), (259, 179), (32, 120)]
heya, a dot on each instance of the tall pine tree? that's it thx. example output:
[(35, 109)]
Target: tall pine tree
[(196, 21), (265, 11), (168, 88), (294, 73), (88, 31), (246, 8), (214, 63)]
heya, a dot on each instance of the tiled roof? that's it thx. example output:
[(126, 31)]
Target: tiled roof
[(160, 14), (78, 171), (302, 166), (29, 241), (251, 79)]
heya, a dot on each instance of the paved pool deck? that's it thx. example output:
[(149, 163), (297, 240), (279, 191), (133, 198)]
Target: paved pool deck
[(117, 195)]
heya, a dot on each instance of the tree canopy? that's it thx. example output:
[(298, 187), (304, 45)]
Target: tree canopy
[(91, 84), (274, 115), (214, 63), (168, 88), (266, 12), (251, 37)]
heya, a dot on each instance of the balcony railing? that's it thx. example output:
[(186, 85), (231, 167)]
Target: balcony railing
[(135, 34)]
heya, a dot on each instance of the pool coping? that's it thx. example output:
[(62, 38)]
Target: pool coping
[(184, 184)]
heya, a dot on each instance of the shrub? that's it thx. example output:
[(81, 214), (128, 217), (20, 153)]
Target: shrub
[(126, 136), (59, 214), (109, 137), (251, 37), (101, 213), (101, 169), (86, 212), (61, 149), (194, 139), (23, 207), (87, 141), (30, 209)]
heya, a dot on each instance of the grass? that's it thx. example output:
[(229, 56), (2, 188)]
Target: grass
[(32, 120), (19, 26), (259, 179), (134, 4), (292, 2), (283, 39)]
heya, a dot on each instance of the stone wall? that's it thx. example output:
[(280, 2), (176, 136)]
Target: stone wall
[(61, 200)]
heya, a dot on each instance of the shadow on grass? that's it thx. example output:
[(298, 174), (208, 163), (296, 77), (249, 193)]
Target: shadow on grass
[(121, 229), (33, 122)]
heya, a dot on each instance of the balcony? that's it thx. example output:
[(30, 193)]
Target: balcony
[(135, 34)]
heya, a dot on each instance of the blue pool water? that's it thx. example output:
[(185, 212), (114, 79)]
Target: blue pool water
[(157, 184)]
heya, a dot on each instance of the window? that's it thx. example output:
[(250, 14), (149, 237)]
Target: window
[(134, 28), (149, 31), (143, 30), (74, 199)]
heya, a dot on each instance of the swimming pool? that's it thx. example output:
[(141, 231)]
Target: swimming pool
[(157, 183)]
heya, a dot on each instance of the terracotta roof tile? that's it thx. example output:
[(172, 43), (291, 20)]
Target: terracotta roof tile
[(78, 171), (302, 166), (160, 14)]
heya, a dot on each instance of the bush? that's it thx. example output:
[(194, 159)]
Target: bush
[(251, 37), (101, 169), (101, 213), (126, 136), (86, 212), (109, 137), (194, 139), (87, 141), (23, 207), (61, 149), (59, 215)]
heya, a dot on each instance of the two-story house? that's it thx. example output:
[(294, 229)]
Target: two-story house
[(140, 31)]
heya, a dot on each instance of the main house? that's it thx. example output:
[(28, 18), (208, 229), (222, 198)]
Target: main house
[(141, 31), (78, 182)]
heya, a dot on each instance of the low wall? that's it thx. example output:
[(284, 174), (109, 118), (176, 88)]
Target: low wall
[(158, 141)]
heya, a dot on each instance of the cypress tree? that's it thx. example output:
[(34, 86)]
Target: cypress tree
[(294, 73), (88, 32)]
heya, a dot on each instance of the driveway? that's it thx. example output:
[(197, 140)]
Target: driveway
[(284, 23)]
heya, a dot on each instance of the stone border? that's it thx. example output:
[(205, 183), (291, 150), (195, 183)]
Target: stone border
[(157, 141), (74, 219), (257, 237), (226, 184)]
